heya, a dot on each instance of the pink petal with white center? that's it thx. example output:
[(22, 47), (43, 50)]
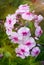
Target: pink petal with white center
[(30, 42), (35, 51), (28, 16), (38, 31)]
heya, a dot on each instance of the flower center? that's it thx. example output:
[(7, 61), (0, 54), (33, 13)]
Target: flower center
[(9, 21), (22, 50), (28, 13), (40, 32), (24, 33), (15, 38), (36, 52), (28, 43)]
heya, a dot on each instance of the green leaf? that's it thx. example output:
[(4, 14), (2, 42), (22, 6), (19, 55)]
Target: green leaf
[(41, 39), (32, 28)]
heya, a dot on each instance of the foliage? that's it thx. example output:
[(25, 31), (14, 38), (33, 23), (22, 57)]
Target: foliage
[(9, 6)]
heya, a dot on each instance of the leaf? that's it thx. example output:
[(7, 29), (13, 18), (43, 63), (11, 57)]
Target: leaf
[(41, 39), (8, 7), (32, 28)]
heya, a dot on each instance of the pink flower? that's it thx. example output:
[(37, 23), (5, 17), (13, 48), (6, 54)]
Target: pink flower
[(22, 9), (14, 37), (22, 51), (10, 21), (28, 16), (38, 31), (24, 31), (39, 19), (30, 42), (35, 51)]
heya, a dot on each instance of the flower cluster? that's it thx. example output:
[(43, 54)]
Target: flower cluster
[(22, 37)]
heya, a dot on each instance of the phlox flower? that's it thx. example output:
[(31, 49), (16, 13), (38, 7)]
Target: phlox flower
[(28, 16), (14, 37), (30, 42), (10, 21), (39, 19), (23, 32), (22, 51), (38, 31), (22, 35), (35, 51), (22, 8)]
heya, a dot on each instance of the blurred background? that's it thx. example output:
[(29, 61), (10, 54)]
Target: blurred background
[(9, 6)]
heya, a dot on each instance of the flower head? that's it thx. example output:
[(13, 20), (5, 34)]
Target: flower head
[(30, 42), (39, 19), (22, 9), (24, 31), (22, 51), (22, 35), (14, 37), (35, 51), (10, 21), (28, 16), (38, 31)]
